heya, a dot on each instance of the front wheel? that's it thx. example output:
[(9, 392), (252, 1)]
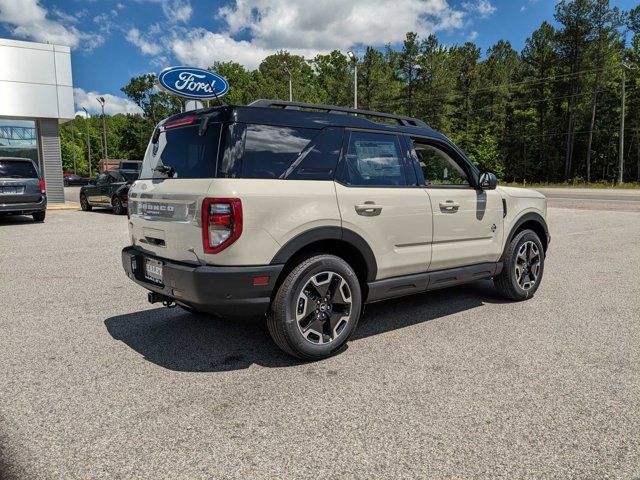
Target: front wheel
[(84, 203), (523, 266), (316, 309)]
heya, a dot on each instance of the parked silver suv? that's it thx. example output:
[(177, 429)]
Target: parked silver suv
[(22, 190), (305, 212)]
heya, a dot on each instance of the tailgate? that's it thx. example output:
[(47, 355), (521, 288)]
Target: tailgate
[(19, 190), (165, 217)]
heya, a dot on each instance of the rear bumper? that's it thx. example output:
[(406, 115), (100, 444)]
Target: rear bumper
[(225, 291), (24, 208)]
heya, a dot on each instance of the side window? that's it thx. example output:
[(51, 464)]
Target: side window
[(319, 159), (269, 150), (102, 179), (438, 167), (373, 159)]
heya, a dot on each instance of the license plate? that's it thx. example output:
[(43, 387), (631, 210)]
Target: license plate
[(153, 270), (12, 190)]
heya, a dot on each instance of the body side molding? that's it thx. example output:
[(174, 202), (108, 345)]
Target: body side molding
[(328, 233), (423, 282)]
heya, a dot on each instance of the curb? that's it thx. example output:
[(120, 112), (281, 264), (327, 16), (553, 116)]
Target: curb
[(63, 207)]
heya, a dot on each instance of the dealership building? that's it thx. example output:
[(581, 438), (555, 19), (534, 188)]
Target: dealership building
[(36, 96)]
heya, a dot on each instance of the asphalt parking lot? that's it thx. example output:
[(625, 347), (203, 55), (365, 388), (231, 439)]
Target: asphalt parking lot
[(96, 383)]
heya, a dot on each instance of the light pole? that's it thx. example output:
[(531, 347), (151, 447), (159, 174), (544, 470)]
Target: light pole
[(354, 60), (73, 140), (413, 67), (286, 69), (104, 134), (86, 117), (621, 149)]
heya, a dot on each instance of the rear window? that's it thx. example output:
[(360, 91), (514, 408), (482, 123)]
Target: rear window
[(188, 153), (17, 169), (263, 151)]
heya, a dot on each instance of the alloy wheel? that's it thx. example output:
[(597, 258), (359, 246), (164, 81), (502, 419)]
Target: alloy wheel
[(527, 267), (323, 308)]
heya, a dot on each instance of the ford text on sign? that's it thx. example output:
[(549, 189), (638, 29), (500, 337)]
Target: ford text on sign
[(189, 82)]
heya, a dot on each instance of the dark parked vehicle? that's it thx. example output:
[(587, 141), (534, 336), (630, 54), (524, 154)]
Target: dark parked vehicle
[(109, 190), (72, 179), (22, 190)]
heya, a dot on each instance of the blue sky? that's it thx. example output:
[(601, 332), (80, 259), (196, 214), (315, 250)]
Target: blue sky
[(113, 40)]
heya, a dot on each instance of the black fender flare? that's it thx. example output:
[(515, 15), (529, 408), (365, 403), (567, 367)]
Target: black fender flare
[(529, 217), (313, 235)]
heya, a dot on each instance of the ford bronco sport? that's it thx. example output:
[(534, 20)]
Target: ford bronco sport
[(305, 212)]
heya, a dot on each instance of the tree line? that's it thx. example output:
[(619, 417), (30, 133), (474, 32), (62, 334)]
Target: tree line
[(549, 113)]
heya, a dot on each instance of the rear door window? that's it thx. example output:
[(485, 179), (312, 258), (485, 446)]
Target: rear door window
[(17, 169), (373, 159)]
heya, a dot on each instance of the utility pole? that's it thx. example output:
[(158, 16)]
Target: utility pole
[(354, 59), (86, 117), (73, 140), (621, 149), (411, 69), (104, 134), (286, 69)]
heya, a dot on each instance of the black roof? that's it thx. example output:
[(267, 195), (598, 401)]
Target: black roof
[(310, 115)]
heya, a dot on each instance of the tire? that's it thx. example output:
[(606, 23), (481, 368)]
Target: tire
[(39, 216), (523, 267), (65, 183), (328, 327), (84, 203), (116, 205)]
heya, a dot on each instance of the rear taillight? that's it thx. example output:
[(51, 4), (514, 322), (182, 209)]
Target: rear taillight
[(43, 187), (221, 223)]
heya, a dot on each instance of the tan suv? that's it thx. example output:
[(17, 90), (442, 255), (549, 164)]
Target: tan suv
[(306, 212)]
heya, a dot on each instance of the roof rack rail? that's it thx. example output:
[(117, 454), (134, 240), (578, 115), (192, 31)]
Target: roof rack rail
[(405, 121)]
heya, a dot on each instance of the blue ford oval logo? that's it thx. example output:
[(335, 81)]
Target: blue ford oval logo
[(192, 82)]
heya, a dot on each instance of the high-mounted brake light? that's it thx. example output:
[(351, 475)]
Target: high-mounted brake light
[(179, 122), (43, 187), (221, 223)]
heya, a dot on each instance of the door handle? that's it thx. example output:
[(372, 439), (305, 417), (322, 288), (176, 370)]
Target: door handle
[(449, 206), (368, 209)]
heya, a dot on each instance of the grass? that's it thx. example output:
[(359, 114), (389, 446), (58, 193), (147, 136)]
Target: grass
[(601, 184)]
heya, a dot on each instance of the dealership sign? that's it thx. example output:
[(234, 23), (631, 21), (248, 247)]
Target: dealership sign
[(195, 83)]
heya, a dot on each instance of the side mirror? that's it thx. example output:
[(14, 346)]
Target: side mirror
[(487, 181), (92, 182)]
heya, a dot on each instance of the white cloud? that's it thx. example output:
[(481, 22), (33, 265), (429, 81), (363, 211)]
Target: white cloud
[(329, 24), (27, 19), (146, 46), (253, 29), (177, 10), (201, 47), (473, 35), (112, 104), (483, 7)]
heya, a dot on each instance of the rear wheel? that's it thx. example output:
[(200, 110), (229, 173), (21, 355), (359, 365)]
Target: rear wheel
[(39, 216), (316, 309), (117, 206), (523, 266), (84, 203)]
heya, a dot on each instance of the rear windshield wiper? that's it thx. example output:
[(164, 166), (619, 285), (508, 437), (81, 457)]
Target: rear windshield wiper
[(169, 171)]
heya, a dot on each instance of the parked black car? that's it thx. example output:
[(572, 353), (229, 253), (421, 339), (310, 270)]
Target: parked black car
[(75, 180), (109, 190), (22, 190)]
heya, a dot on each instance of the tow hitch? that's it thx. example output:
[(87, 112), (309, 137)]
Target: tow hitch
[(154, 297)]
